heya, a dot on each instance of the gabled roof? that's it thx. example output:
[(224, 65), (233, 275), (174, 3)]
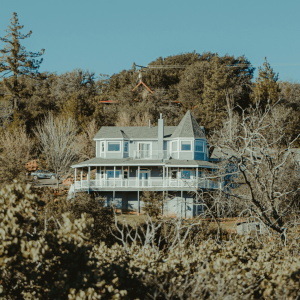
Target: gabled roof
[(188, 127), (133, 132)]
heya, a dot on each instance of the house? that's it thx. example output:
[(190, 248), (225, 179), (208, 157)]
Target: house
[(167, 159)]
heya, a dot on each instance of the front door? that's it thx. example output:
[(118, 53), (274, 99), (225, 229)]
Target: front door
[(144, 176)]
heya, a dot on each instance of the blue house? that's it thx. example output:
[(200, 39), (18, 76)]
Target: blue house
[(167, 159)]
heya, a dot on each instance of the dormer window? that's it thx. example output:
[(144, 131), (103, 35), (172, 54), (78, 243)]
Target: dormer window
[(186, 146)]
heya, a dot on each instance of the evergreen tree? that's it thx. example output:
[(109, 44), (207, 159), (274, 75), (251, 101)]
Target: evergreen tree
[(206, 85), (265, 88), (15, 60)]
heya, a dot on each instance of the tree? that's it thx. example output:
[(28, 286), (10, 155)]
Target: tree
[(205, 84), (266, 178), (152, 203), (57, 138), (86, 139), (265, 88), (15, 60), (15, 151)]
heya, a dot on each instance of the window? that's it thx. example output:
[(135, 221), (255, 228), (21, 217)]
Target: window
[(165, 145), (125, 146), (186, 146), (113, 146), (199, 156), (185, 174), (199, 146), (110, 174), (102, 147), (174, 146)]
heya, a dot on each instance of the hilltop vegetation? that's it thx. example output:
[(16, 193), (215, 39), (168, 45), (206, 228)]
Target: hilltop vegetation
[(51, 248)]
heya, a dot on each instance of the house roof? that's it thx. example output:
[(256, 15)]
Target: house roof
[(97, 161), (188, 127), (133, 132)]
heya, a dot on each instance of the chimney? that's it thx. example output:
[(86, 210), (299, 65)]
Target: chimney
[(149, 123), (160, 136)]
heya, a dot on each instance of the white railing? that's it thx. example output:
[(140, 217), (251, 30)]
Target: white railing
[(154, 154), (146, 183)]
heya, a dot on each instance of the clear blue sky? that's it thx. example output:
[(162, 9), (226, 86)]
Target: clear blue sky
[(108, 36)]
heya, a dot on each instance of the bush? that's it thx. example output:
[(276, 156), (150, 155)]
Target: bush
[(152, 203), (64, 264)]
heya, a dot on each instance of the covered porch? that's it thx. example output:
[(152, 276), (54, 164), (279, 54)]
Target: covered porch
[(143, 177)]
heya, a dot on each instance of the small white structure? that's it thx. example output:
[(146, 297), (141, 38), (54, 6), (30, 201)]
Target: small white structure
[(247, 228)]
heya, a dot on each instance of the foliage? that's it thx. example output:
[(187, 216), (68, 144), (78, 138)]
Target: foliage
[(15, 150), (57, 139), (61, 264), (152, 203), (16, 60), (266, 89), (263, 168)]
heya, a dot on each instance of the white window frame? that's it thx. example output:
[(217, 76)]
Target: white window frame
[(172, 143), (138, 147), (115, 142), (184, 141)]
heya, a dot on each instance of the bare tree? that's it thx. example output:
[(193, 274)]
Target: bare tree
[(57, 138), (15, 151), (264, 175), (86, 139), (123, 118)]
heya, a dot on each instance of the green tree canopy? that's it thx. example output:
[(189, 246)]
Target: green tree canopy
[(15, 60)]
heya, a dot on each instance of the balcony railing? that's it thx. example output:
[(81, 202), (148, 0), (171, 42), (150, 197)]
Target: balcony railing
[(154, 154), (146, 183)]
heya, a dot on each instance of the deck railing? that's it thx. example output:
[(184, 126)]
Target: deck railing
[(146, 183), (154, 154)]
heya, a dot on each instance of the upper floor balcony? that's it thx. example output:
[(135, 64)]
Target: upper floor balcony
[(154, 154)]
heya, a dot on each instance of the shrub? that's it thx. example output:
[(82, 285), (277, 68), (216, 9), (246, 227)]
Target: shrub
[(152, 203), (63, 264)]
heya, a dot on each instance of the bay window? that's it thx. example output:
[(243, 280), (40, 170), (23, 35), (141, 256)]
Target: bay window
[(113, 146)]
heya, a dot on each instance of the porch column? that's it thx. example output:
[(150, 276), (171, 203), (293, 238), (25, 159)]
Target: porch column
[(75, 178), (166, 202), (128, 176), (197, 204), (138, 194), (167, 175), (138, 178), (122, 176), (163, 175), (81, 178), (100, 179), (114, 176), (89, 179), (181, 203)]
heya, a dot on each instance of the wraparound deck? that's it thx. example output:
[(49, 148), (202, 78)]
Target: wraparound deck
[(151, 183)]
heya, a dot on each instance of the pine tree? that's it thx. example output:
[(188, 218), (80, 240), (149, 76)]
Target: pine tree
[(206, 85), (75, 109), (16, 61), (265, 87)]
